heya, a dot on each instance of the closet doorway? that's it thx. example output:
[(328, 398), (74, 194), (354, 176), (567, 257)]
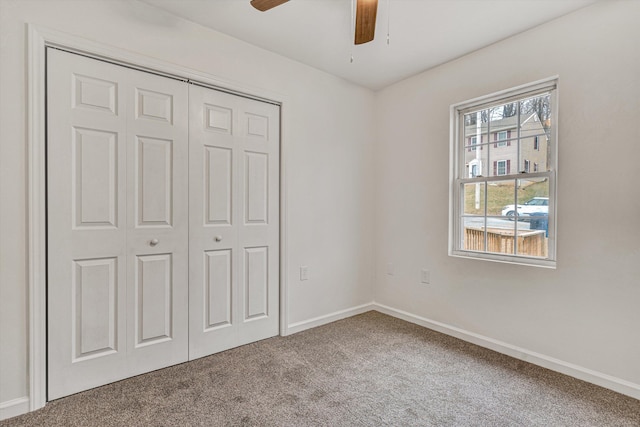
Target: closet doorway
[(162, 221)]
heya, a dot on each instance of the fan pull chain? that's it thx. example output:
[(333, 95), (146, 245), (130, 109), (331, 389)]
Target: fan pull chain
[(388, 21), (352, 28)]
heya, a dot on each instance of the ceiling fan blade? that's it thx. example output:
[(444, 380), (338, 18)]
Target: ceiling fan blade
[(366, 11), (264, 5)]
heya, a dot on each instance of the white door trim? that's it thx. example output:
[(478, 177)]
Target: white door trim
[(38, 38)]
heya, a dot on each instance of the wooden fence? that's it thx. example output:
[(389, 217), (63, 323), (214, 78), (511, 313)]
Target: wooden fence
[(499, 240)]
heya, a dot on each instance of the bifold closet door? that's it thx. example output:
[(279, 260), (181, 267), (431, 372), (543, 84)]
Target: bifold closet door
[(117, 168), (233, 221)]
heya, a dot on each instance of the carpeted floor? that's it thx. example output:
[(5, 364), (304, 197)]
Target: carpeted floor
[(368, 370)]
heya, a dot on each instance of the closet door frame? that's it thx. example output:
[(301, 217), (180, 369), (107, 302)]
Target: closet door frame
[(38, 40)]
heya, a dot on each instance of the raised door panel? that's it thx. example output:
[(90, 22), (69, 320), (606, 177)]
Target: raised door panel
[(151, 105), (154, 182), (257, 127), (95, 178), (94, 308), (218, 185), (217, 289), (94, 94), (218, 119), (153, 290), (256, 283), (256, 189)]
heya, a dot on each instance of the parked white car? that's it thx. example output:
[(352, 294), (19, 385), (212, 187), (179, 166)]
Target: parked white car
[(535, 205)]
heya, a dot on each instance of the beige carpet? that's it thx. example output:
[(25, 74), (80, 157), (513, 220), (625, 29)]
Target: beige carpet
[(368, 370)]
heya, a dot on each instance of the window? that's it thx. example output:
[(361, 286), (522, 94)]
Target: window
[(501, 167), (502, 139), (473, 143), (507, 213)]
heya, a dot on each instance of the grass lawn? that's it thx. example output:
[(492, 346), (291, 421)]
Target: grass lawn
[(502, 194)]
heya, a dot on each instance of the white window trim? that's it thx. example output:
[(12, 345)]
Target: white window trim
[(502, 142), (498, 162), (456, 154)]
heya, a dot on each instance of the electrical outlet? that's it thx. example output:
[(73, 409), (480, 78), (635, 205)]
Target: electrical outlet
[(304, 272), (424, 276), (390, 269)]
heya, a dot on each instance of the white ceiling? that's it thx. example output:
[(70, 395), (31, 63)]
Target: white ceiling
[(423, 33)]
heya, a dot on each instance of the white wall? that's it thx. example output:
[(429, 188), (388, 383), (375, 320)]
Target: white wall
[(328, 149), (586, 312)]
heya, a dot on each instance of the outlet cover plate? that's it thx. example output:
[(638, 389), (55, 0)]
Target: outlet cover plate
[(424, 276)]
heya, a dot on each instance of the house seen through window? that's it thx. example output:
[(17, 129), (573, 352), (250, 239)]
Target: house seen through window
[(504, 166)]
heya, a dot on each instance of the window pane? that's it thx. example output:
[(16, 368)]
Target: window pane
[(533, 197), (534, 149), (475, 123), (475, 142), (533, 239), (504, 115), (500, 235), (503, 139), (501, 198), (535, 128), (537, 109), (474, 199), (503, 124)]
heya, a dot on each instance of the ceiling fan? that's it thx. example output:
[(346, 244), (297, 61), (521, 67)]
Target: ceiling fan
[(366, 11)]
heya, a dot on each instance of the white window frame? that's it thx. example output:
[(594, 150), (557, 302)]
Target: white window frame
[(502, 142), (498, 163), (459, 175), (473, 143)]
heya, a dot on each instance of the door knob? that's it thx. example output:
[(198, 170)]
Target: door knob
[(218, 238), (154, 242)]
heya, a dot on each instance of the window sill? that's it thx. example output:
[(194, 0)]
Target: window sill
[(505, 259)]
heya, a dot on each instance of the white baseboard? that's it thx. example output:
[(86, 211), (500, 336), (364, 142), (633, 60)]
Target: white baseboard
[(13, 408), (598, 378), (328, 318), (20, 405)]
